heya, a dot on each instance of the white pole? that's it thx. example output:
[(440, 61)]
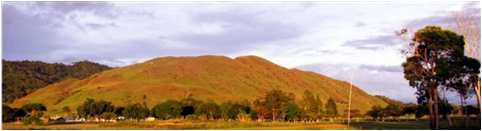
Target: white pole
[(349, 100)]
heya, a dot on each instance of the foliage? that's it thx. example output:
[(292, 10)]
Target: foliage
[(292, 112), (22, 77), (210, 110), (92, 108), (312, 105), (118, 110), (29, 120), (231, 110), (432, 52), (273, 103), (136, 111), (189, 105), (167, 110), (34, 109), (393, 110), (409, 109), (422, 110), (8, 113), (471, 110), (376, 113), (331, 107), (108, 116)]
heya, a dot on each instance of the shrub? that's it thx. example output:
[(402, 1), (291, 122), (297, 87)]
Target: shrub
[(29, 120)]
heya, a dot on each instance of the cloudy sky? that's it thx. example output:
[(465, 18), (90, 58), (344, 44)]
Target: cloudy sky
[(346, 40)]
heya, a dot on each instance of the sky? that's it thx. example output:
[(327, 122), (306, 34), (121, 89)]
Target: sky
[(350, 41)]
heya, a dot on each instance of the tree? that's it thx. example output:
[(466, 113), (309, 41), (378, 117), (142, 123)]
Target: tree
[(421, 110), (167, 110), (331, 107), (8, 113), (92, 108), (19, 113), (431, 52), (20, 78), (471, 110), (136, 111), (445, 109), (409, 109), (230, 110), (34, 109), (393, 110), (272, 104), (108, 115), (66, 110), (210, 110), (292, 111), (189, 105), (118, 110), (376, 113), (312, 105)]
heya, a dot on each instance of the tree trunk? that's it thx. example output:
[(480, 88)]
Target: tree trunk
[(446, 113), (430, 109), (433, 108), (477, 92), (462, 109), (437, 114)]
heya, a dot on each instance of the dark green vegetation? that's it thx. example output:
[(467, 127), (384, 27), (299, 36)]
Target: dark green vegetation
[(436, 60), (29, 113), (209, 78), (275, 105), (20, 78)]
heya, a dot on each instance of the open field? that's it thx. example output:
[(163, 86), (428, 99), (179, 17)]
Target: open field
[(186, 124)]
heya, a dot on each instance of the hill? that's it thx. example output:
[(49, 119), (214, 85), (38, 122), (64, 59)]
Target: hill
[(391, 101), (215, 78), (22, 77)]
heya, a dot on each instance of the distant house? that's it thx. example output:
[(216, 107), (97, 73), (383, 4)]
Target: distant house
[(150, 119), (121, 118), (71, 119)]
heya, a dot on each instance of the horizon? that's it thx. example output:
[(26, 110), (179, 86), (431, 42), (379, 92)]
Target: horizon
[(322, 37)]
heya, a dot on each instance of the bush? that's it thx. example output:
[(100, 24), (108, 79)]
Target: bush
[(136, 111), (8, 113), (210, 110), (167, 110), (108, 116), (29, 120)]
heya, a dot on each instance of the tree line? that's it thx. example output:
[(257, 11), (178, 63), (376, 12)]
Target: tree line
[(22, 77), (395, 111), (275, 105)]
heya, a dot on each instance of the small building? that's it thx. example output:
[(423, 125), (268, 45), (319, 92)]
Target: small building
[(150, 118)]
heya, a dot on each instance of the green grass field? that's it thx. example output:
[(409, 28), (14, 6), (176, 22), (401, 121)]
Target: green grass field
[(186, 124)]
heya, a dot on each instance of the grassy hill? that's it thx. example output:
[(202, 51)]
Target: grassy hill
[(215, 78)]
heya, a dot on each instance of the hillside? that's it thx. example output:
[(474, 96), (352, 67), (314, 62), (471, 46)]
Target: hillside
[(391, 101), (215, 78), (22, 77)]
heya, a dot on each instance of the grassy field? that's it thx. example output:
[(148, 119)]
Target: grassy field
[(178, 124), (457, 123)]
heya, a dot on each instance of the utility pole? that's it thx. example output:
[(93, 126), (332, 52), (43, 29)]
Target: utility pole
[(349, 100)]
